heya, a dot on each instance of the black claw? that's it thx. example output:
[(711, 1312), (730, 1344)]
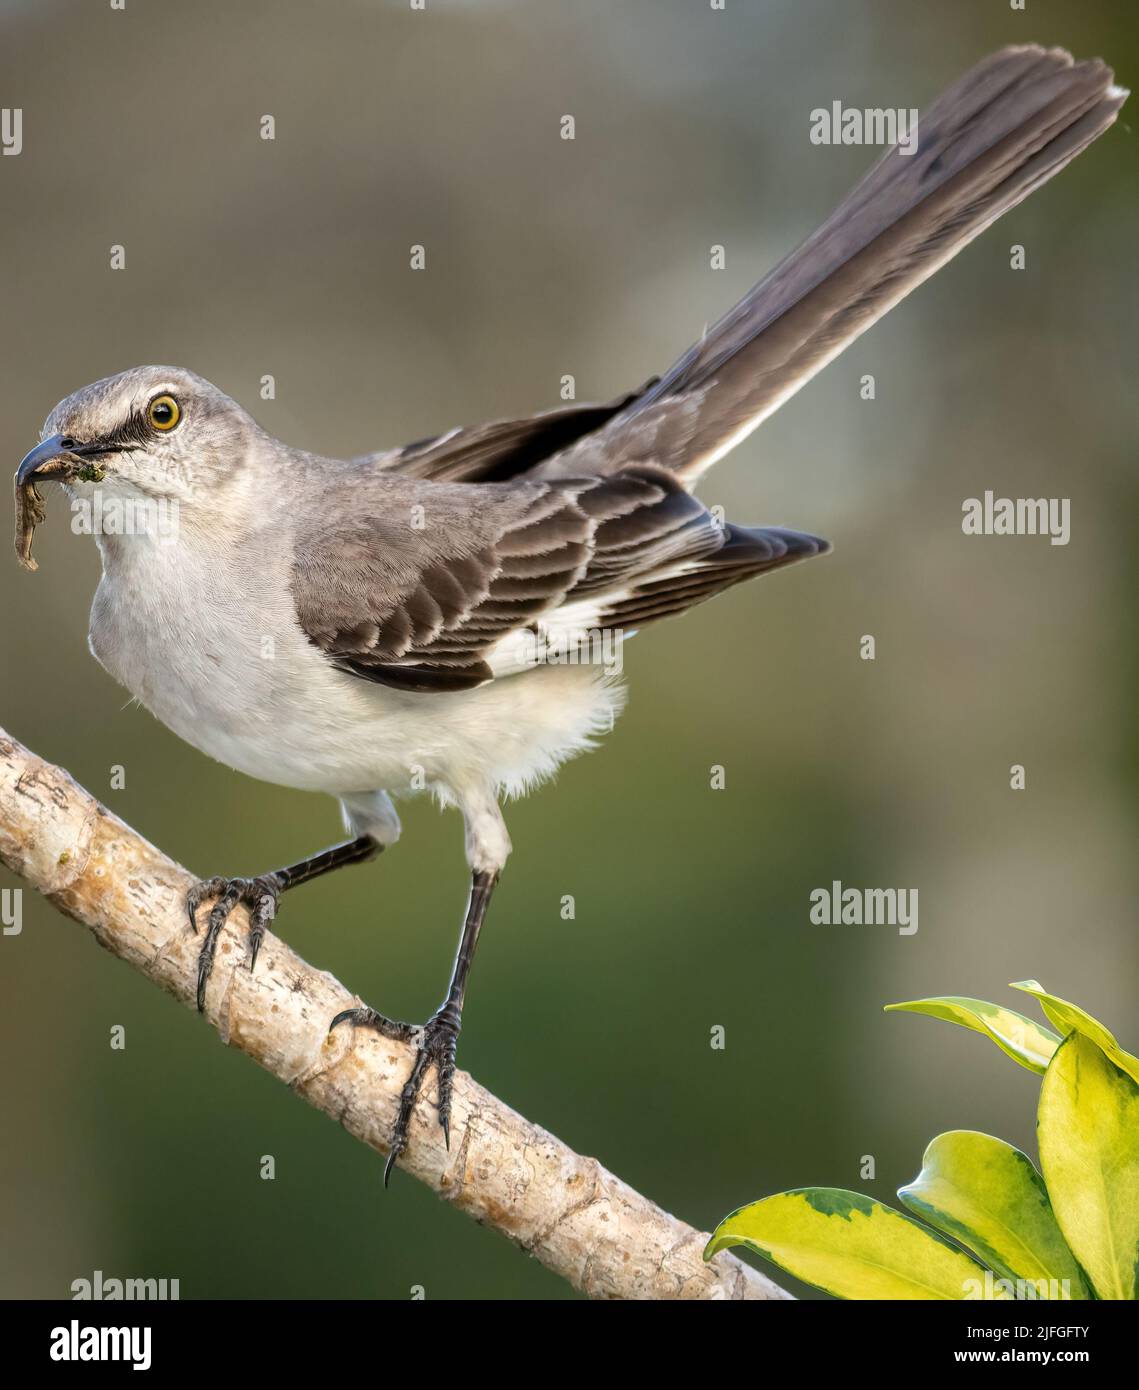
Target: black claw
[(435, 1047), (259, 895)]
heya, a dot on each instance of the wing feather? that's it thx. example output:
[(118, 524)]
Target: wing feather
[(553, 557)]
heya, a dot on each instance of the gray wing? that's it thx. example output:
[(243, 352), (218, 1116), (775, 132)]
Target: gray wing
[(500, 450), (446, 607)]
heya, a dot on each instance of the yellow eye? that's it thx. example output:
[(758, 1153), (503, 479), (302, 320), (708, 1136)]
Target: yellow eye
[(163, 413)]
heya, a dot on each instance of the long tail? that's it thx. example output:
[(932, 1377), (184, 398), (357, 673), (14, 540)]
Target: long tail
[(1005, 128)]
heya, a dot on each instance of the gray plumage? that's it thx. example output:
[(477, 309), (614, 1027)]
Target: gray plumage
[(401, 621), (424, 610), (437, 570)]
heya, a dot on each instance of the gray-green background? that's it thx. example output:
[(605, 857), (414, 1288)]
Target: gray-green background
[(547, 257)]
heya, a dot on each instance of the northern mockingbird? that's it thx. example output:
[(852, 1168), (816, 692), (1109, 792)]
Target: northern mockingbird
[(400, 621)]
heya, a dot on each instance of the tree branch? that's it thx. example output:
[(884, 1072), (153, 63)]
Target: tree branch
[(566, 1210)]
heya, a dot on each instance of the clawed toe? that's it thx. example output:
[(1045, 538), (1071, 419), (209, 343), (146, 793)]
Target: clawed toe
[(435, 1043), (368, 1018), (260, 895)]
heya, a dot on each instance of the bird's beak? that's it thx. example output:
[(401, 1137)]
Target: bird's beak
[(57, 458)]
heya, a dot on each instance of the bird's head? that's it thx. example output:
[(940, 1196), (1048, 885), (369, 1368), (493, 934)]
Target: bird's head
[(162, 432)]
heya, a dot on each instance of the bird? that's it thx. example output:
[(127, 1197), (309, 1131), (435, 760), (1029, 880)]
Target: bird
[(426, 618)]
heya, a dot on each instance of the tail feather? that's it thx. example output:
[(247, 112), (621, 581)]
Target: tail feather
[(1005, 128), (746, 553)]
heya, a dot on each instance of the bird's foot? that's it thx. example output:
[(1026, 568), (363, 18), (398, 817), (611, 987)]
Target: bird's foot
[(435, 1043), (260, 895)]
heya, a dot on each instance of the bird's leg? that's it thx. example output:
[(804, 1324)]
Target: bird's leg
[(436, 1040), (261, 896)]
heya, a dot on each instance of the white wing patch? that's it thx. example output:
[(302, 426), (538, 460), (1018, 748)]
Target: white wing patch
[(575, 633)]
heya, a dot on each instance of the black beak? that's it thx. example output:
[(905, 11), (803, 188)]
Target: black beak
[(57, 457)]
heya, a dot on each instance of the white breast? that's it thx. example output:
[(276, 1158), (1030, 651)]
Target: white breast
[(209, 643)]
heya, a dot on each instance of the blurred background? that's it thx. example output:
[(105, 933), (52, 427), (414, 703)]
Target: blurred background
[(547, 257)]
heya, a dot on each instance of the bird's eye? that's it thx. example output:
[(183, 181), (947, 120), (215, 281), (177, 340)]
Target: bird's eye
[(163, 413)]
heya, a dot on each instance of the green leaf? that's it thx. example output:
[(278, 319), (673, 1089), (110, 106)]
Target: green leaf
[(1026, 1042), (1070, 1018), (851, 1246), (989, 1197), (1087, 1127)]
